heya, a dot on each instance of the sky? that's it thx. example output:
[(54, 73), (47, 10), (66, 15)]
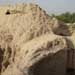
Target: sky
[(51, 6)]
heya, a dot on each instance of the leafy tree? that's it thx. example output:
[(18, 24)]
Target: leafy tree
[(66, 17)]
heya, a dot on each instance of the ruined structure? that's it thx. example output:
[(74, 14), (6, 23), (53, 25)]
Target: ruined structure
[(31, 42)]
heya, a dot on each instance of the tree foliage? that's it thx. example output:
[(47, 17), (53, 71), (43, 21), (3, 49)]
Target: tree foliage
[(66, 17)]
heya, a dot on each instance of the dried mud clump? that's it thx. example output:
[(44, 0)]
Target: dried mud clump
[(60, 28)]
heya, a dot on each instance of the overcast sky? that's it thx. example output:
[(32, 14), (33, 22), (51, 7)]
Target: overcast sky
[(51, 6)]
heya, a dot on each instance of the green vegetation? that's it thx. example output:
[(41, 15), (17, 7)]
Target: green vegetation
[(66, 17)]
